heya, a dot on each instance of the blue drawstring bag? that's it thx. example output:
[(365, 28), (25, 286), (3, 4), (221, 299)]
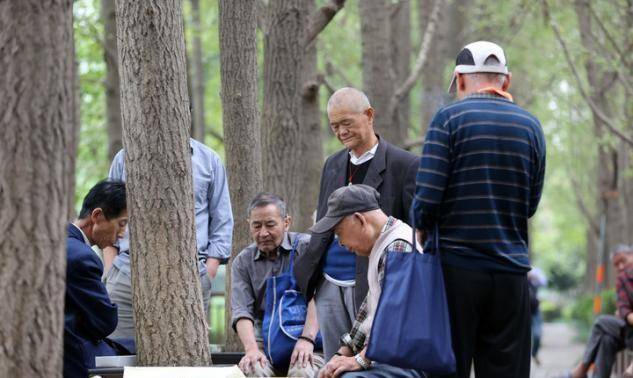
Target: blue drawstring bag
[(411, 327), (284, 316)]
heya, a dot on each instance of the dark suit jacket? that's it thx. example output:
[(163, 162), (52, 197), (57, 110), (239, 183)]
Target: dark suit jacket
[(392, 172), (89, 316)]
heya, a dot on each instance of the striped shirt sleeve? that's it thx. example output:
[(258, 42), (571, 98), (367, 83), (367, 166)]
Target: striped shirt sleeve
[(432, 175)]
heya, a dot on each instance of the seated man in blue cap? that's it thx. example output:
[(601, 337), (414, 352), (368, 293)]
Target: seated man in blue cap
[(363, 228)]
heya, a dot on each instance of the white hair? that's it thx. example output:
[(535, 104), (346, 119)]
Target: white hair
[(350, 98)]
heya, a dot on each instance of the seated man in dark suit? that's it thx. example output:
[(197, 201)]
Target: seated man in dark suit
[(89, 316)]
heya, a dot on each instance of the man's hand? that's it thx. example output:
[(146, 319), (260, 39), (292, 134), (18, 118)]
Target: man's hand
[(421, 236), (109, 254), (212, 267), (339, 365), (302, 354), (252, 357)]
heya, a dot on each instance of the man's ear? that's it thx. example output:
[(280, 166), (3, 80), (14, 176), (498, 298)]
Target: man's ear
[(461, 81), (506, 82), (96, 214), (287, 222), (369, 112), (361, 218)]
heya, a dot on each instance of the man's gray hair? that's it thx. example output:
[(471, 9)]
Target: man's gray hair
[(265, 199), (489, 77), (621, 249), (350, 98)]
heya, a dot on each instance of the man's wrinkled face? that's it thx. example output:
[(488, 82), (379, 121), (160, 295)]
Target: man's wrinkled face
[(267, 227), (355, 235), (105, 232), (351, 128), (622, 261)]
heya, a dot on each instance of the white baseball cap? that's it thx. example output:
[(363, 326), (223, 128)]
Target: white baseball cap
[(473, 57)]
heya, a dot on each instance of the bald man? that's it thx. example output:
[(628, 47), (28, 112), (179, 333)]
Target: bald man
[(329, 272)]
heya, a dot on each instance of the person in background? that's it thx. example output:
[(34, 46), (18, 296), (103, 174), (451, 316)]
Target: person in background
[(268, 256), (536, 280), (610, 334), (89, 315), (214, 232)]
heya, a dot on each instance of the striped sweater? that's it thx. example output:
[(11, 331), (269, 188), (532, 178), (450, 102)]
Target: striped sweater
[(480, 179)]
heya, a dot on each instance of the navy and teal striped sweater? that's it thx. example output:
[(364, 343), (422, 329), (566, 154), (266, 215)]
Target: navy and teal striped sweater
[(480, 179)]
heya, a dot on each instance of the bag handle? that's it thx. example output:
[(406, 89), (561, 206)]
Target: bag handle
[(292, 253)]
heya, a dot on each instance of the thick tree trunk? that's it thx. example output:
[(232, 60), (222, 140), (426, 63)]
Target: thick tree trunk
[(240, 118), (197, 78), (37, 114), (168, 313), (281, 118), (378, 71), (447, 42), (111, 82), (400, 23), (608, 172), (312, 140)]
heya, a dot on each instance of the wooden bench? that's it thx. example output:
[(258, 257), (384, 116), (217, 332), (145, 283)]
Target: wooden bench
[(219, 359)]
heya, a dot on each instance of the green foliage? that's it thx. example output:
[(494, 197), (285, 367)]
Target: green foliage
[(581, 311), (551, 311)]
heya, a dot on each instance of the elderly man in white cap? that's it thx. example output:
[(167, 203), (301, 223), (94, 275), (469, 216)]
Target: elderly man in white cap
[(480, 179)]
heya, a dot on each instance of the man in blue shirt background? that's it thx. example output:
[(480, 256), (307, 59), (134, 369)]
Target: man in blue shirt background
[(214, 231)]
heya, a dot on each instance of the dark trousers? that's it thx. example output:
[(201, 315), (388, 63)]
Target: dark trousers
[(490, 322), (606, 339)]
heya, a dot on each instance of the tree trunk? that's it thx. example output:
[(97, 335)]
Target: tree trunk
[(378, 72), (608, 203), (281, 129), (447, 42), (197, 79), (240, 119), (400, 22), (37, 114), (311, 156), (168, 314), (111, 83)]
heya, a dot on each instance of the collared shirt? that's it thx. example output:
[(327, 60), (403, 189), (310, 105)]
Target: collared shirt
[(365, 157), (624, 292), (356, 339), (213, 214), (250, 270), (95, 249)]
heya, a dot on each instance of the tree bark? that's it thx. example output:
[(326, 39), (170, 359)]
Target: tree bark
[(447, 42), (111, 83), (168, 314), (608, 172), (311, 157), (281, 129), (198, 83), (378, 72), (400, 22), (241, 122), (37, 113)]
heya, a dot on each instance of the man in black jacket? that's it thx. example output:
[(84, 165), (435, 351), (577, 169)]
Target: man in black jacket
[(329, 272)]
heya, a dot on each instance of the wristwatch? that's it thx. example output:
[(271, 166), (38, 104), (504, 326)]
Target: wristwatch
[(364, 364)]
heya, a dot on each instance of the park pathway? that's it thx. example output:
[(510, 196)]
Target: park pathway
[(560, 350)]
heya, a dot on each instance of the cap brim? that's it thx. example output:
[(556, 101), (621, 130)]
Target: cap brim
[(325, 224)]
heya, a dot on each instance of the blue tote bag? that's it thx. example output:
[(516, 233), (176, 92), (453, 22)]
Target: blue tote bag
[(284, 316), (411, 327)]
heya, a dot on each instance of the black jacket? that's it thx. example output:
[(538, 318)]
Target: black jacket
[(392, 172)]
